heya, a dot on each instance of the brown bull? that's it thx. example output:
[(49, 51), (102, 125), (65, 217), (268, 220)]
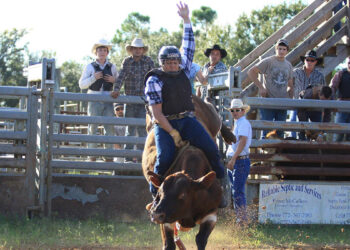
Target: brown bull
[(190, 193)]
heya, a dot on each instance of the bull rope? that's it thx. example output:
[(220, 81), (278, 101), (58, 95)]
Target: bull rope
[(180, 152)]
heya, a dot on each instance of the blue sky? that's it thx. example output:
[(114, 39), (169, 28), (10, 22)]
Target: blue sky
[(71, 27)]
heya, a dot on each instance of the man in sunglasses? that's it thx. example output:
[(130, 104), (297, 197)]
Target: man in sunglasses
[(308, 78), (238, 153), (340, 85)]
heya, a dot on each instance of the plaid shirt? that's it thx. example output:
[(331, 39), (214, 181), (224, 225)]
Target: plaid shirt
[(301, 81), (132, 75), (153, 90)]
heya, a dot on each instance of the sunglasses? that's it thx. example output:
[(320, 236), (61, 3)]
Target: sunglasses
[(310, 60), (235, 110), (118, 109)]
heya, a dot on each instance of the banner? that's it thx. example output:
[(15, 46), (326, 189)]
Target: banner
[(300, 203)]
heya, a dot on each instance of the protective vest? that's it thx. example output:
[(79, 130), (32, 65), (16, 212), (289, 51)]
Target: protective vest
[(344, 85), (176, 91), (107, 86)]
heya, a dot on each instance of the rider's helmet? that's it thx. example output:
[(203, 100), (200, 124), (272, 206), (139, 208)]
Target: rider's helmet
[(169, 53)]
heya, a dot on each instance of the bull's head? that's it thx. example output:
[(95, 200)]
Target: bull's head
[(176, 195)]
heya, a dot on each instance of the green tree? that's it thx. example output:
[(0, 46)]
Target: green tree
[(12, 61), (12, 58), (135, 25), (37, 57), (70, 74), (259, 25), (203, 17)]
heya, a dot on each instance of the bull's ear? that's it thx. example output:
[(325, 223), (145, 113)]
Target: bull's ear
[(207, 180), (156, 179)]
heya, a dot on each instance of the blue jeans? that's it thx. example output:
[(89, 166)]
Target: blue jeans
[(100, 109), (238, 178), (273, 115), (190, 130), (305, 116), (342, 117), (135, 111)]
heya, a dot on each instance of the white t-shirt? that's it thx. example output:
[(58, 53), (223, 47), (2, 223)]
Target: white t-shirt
[(242, 127)]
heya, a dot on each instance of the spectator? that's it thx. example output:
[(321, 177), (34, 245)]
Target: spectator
[(338, 7), (340, 85), (99, 77), (132, 73), (278, 81), (174, 120), (196, 75), (119, 129), (318, 92), (306, 78), (238, 153), (214, 66)]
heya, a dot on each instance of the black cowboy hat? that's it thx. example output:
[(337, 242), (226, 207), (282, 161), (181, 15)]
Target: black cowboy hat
[(312, 54), (215, 47)]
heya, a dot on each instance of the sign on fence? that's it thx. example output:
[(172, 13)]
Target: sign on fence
[(304, 203)]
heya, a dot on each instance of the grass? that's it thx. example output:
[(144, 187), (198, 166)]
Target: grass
[(20, 233)]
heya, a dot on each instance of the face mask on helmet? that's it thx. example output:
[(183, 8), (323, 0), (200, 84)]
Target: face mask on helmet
[(169, 53)]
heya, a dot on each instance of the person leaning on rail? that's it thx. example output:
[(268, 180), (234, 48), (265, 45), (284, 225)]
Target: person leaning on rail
[(340, 85), (132, 74), (278, 82)]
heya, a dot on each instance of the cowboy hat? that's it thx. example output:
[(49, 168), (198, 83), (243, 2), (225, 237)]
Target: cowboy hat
[(118, 105), (138, 43), (101, 43), (238, 104), (215, 47), (312, 54)]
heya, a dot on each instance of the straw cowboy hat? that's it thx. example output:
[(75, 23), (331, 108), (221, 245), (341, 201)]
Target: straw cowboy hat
[(138, 43), (101, 43), (312, 54), (238, 104), (215, 47)]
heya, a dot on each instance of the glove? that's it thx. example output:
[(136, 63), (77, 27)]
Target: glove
[(177, 138)]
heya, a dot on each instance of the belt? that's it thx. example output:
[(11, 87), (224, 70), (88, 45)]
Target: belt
[(242, 157), (180, 115)]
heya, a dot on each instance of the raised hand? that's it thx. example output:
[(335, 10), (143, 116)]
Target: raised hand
[(184, 12)]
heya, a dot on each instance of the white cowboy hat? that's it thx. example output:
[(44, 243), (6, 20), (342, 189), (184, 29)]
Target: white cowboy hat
[(238, 104), (138, 43), (101, 43)]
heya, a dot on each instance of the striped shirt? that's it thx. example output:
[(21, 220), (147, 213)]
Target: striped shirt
[(153, 90), (132, 75)]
